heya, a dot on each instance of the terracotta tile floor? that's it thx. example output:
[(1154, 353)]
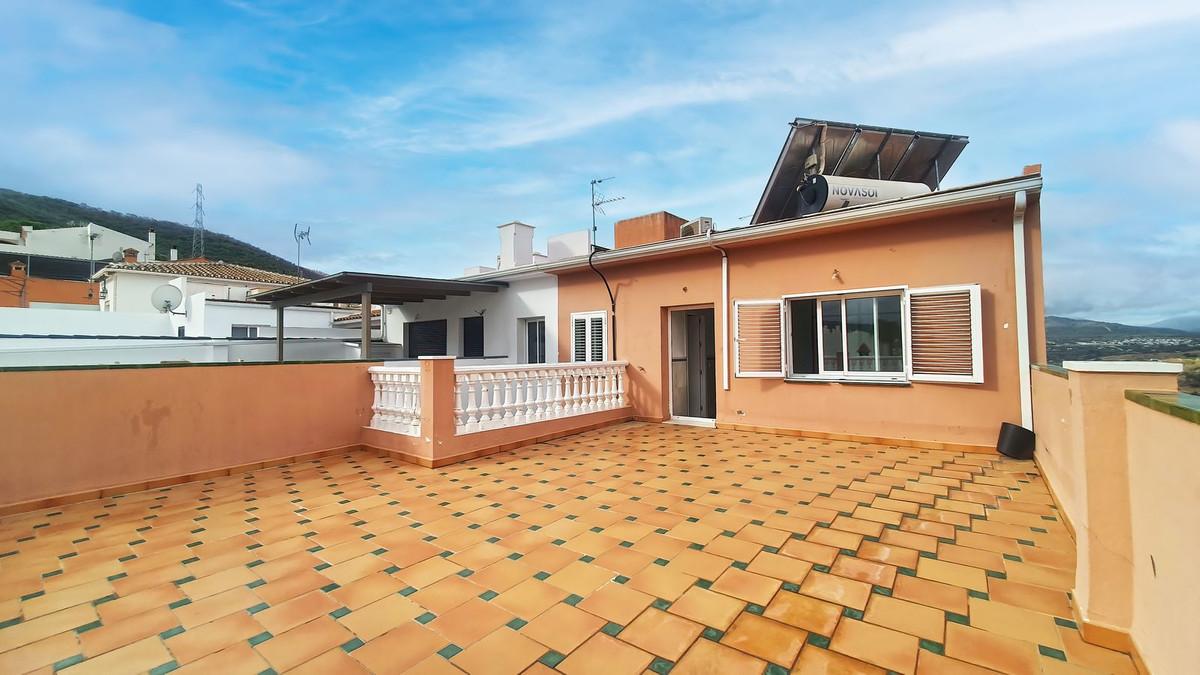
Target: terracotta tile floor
[(635, 547)]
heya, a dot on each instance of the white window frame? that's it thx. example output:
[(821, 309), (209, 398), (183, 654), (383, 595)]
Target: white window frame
[(587, 318), (523, 336), (891, 377), (251, 331), (783, 342), (976, 376)]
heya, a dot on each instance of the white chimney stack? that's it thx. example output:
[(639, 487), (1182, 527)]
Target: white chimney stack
[(174, 253), (150, 255), (516, 244)]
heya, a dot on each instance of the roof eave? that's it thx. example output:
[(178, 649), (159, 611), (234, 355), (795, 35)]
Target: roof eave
[(821, 221)]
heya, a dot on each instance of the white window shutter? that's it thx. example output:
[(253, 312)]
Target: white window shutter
[(758, 338), (945, 327)]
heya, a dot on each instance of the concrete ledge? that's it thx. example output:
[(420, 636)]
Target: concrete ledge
[(1123, 366), (1184, 406), (165, 481)]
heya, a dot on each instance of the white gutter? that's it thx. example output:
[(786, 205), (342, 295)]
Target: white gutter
[(724, 313), (1022, 283), (817, 222)]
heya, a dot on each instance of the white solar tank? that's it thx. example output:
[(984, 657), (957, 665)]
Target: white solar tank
[(828, 193)]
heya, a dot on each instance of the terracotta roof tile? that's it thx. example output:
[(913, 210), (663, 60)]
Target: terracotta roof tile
[(208, 269)]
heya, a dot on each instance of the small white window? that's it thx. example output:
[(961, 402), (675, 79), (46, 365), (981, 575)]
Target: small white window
[(533, 346), (245, 332), (589, 336)]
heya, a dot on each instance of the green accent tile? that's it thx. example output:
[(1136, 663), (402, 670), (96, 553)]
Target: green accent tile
[(100, 601), (621, 578), (931, 646), (662, 562), (659, 603), (449, 651), (171, 632), (739, 564), (818, 640), (626, 544), (790, 587), (1066, 623), (379, 551), (703, 583), (407, 591), (68, 662), (958, 618), (1014, 558), (881, 590), (10, 622), (88, 626), (541, 576), (997, 575), (696, 547), (322, 566), (258, 608), (1026, 542), (35, 594), (255, 584), (515, 556), (928, 554), (184, 580), (464, 573), (825, 569), (165, 668), (426, 617), (755, 609), (330, 587), (262, 637), (852, 613), (1052, 652), (712, 634), (315, 549), (391, 570), (340, 612), (190, 560), (551, 659), (586, 558), (660, 665), (516, 624), (661, 530), (1039, 530), (908, 571), (977, 594), (488, 595), (773, 669), (612, 629)]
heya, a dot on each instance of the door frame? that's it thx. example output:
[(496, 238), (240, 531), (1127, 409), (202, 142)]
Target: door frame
[(671, 417)]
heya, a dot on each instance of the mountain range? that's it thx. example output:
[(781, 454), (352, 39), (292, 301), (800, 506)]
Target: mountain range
[(18, 209)]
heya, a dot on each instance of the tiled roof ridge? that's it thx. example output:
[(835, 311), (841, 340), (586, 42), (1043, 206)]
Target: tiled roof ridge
[(209, 269)]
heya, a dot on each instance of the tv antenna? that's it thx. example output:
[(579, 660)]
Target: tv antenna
[(299, 234), (198, 223), (598, 202)]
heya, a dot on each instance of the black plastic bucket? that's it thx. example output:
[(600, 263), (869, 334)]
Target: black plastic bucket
[(1015, 441)]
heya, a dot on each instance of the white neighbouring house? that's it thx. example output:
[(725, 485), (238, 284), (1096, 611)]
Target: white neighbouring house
[(217, 299), (516, 325), (86, 242)]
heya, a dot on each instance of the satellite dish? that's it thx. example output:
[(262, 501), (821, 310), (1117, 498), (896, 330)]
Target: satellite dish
[(166, 298), (118, 256)]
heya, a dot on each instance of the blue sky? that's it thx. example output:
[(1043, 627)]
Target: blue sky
[(403, 133)]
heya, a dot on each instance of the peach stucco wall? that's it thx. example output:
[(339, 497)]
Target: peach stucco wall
[(1164, 462), (973, 246), (1060, 459), (83, 430)]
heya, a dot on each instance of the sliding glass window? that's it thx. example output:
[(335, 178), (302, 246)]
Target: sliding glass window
[(852, 336)]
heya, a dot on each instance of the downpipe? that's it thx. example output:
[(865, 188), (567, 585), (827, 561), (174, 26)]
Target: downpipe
[(724, 312)]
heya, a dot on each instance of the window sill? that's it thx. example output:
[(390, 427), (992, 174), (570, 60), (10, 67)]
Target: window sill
[(844, 380)]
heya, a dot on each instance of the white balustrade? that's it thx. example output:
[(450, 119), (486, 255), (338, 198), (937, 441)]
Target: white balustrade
[(490, 397), (397, 406)]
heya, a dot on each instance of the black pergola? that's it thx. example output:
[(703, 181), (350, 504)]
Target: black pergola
[(384, 289)]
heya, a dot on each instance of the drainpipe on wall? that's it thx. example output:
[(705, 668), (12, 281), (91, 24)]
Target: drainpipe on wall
[(1022, 283), (724, 313)]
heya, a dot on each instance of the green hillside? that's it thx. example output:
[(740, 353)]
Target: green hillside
[(18, 208)]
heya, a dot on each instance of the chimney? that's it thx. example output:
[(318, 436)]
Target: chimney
[(25, 230), (174, 253), (1031, 169), (516, 244), (131, 255), (152, 238), (646, 229), (16, 269)]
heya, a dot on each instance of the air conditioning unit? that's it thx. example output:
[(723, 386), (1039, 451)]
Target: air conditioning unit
[(694, 227)]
